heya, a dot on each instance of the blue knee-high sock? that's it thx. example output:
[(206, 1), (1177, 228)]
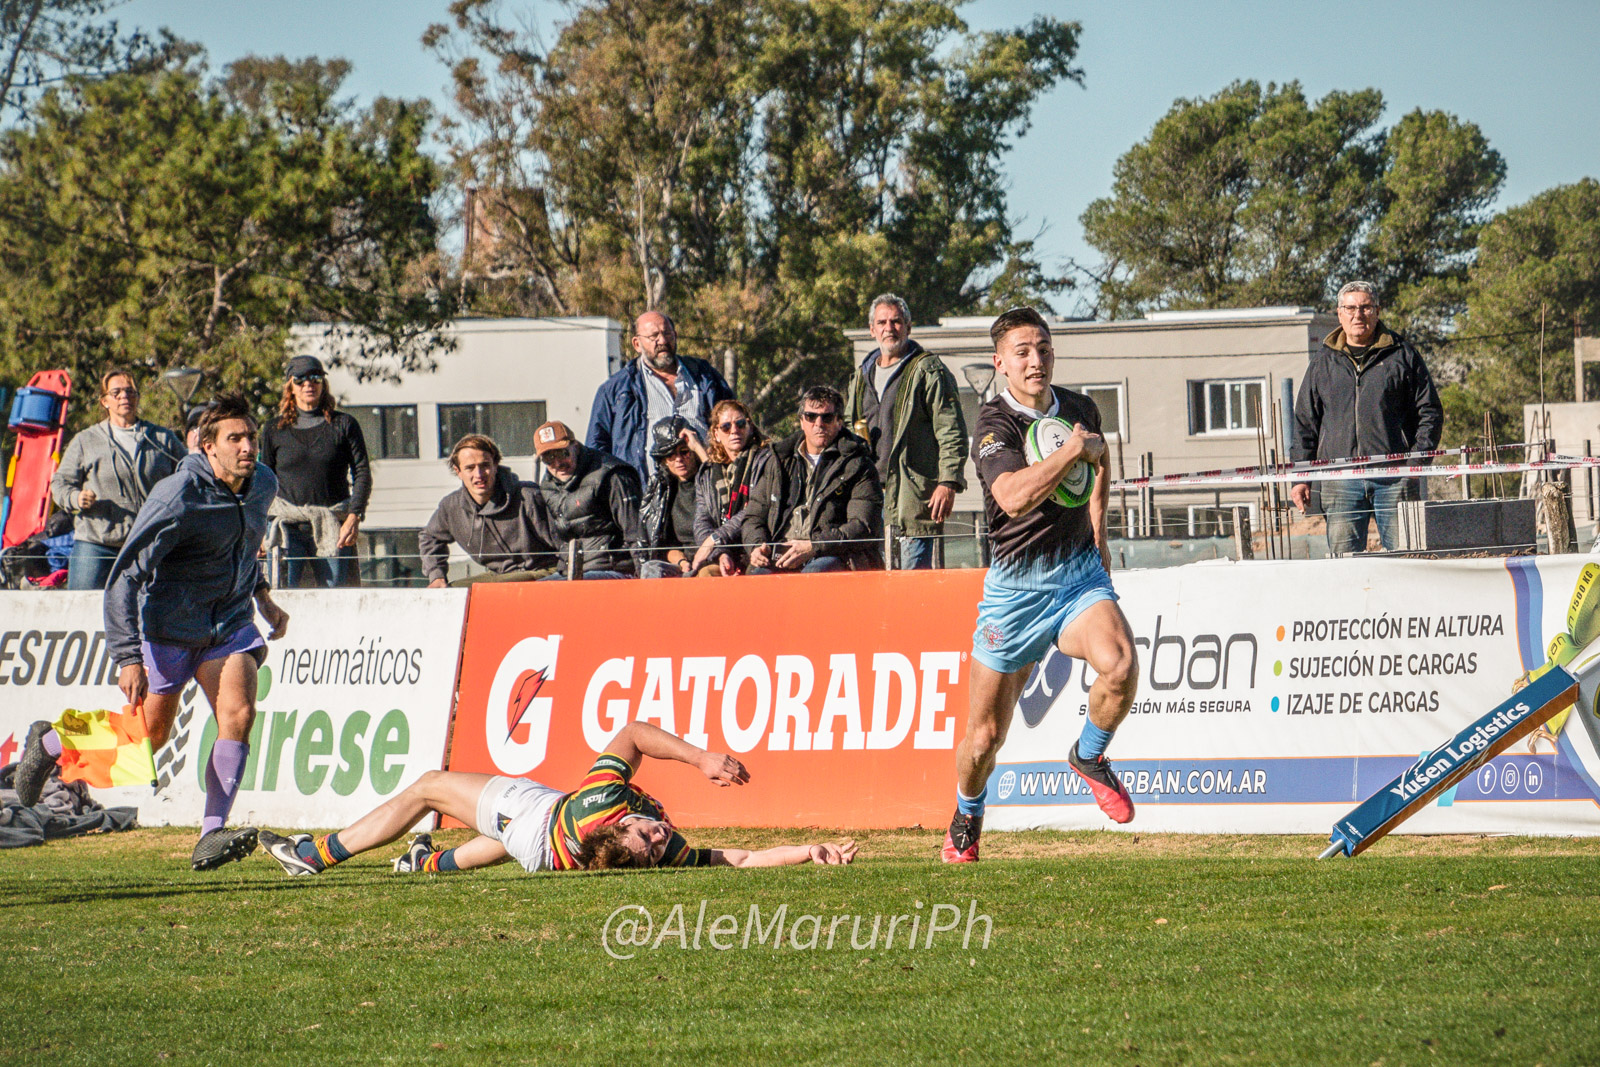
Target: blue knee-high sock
[(1093, 741), (971, 805), (222, 782)]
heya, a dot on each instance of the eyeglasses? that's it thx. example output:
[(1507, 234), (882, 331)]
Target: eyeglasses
[(127, 390), (1359, 309), (819, 416), (559, 455), (736, 424), (307, 379)]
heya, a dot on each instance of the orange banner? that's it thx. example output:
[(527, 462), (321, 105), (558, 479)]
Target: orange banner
[(844, 694)]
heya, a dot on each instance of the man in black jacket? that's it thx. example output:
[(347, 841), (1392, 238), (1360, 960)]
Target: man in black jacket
[(816, 504), (593, 499), (497, 518), (1366, 392)]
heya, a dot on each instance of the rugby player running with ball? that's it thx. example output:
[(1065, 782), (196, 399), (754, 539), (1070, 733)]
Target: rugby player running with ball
[(1049, 582)]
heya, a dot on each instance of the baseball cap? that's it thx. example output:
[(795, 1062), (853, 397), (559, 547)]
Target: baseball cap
[(550, 436), (300, 366)]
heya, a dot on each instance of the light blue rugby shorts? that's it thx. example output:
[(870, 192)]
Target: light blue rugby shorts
[(1017, 626)]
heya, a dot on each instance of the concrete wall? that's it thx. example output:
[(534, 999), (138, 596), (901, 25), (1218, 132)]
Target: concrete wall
[(1571, 426)]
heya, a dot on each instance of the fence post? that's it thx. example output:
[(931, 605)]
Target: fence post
[(1243, 543), (889, 540), (574, 560)]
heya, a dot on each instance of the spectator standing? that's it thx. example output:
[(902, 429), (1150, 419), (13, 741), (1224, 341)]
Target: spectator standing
[(666, 514), (905, 403), (652, 387), (105, 475), (593, 499), (324, 479), (816, 504), (1365, 392), (497, 518), (734, 454)]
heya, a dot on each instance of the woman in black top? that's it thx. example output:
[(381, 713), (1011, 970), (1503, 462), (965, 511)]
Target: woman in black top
[(317, 453)]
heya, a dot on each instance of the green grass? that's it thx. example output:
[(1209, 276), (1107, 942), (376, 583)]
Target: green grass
[(1107, 948)]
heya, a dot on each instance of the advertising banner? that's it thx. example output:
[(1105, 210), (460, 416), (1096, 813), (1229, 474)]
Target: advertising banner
[(1273, 696), (844, 694), (353, 703)]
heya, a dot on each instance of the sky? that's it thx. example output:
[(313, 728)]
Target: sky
[(1524, 72)]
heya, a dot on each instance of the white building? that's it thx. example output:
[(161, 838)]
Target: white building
[(503, 378)]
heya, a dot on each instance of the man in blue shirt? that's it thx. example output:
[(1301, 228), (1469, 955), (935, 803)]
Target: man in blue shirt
[(656, 386)]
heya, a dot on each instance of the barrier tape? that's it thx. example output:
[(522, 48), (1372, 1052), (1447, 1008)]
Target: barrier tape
[(1319, 464), (1295, 477)]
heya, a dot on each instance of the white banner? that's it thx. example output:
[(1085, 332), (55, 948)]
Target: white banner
[(353, 703), (1275, 696)]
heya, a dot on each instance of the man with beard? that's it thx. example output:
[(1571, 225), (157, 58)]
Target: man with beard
[(656, 386)]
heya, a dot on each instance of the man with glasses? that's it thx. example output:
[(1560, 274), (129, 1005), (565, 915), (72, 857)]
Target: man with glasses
[(656, 386), (904, 402), (105, 475), (1365, 392), (816, 505)]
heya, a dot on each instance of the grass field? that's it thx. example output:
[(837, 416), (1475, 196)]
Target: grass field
[(1105, 948)]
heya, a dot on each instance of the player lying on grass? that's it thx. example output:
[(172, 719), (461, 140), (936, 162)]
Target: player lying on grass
[(606, 823)]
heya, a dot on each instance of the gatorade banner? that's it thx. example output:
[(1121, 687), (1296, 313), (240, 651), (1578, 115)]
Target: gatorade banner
[(353, 703), (843, 694)]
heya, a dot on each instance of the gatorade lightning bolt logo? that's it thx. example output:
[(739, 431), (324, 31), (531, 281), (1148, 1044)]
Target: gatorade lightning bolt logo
[(517, 699), (528, 685)]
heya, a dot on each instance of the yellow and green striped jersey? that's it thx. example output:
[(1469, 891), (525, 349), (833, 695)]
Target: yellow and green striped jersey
[(605, 796)]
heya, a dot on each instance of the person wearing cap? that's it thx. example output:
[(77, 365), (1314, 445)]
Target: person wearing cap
[(667, 512), (593, 499), (499, 520), (324, 479), (105, 475), (658, 384)]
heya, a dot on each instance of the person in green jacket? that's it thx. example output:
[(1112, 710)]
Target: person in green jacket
[(904, 402)]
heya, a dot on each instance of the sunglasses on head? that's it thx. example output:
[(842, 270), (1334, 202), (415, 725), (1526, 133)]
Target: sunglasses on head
[(819, 416), (304, 379), (736, 424)]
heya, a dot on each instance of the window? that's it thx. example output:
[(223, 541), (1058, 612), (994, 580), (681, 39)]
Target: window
[(511, 425), (1229, 405), (390, 430), (1108, 398)]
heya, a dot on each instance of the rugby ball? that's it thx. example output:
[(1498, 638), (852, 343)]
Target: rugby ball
[(1044, 437)]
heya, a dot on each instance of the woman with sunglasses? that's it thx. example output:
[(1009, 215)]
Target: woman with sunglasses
[(733, 456), (317, 452)]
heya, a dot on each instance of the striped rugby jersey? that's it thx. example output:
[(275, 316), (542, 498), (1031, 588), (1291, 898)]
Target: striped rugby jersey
[(605, 797)]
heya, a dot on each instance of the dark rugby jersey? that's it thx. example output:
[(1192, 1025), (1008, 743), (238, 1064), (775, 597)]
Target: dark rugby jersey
[(606, 796), (1030, 551)]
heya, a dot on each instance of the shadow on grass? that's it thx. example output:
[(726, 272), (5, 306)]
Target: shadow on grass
[(63, 890)]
